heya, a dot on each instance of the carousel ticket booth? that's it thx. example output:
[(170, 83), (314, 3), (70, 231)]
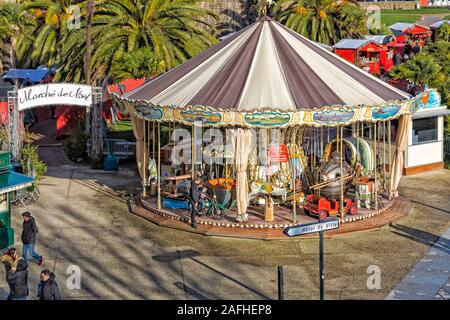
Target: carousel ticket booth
[(425, 150), (288, 122), (9, 182)]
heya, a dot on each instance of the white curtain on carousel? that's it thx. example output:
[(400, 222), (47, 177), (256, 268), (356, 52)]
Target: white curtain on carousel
[(138, 130), (242, 145), (402, 143)]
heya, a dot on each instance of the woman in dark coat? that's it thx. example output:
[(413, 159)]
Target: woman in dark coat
[(19, 280)]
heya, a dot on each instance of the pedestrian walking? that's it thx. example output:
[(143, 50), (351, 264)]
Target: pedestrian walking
[(194, 198), (9, 261), (29, 234), (19, 280), (48, 287)]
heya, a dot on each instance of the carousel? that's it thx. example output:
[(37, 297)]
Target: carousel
[(278, 130)]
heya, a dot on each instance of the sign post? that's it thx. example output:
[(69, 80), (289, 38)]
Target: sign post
[(49, 94), (321, 226)]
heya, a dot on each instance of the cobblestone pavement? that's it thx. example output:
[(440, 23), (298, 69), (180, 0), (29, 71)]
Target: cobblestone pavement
[(430, 278)]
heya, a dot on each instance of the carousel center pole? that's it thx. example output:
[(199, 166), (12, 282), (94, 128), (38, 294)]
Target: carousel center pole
[(159, 166), (144, 176), (341, 207)]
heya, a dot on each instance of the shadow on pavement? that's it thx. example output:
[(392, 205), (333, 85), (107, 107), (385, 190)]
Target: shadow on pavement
[(192, 254), (423, 237)]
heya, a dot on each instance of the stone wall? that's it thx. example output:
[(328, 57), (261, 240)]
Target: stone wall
[(391, 4), (234, 14)]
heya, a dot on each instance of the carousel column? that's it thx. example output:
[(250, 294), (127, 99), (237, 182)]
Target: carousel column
[(375, 187), (159, 166), (144, 176), (193, 145), (294, 209), (390, 159), (341, 207), (384, 157)]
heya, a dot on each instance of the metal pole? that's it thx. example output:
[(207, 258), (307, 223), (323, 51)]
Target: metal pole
[(341, 207), (384, 156), (375, 189), (294, 202), (357, 142), (390, 159), (159, 166), (280, 283), (193, 154), (321, 144), (144, 188), (322, 274)]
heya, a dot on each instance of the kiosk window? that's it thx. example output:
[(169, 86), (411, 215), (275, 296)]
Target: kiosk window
[(424, 130)]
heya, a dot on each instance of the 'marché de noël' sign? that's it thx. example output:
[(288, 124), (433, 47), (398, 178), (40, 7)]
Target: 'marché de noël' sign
[(54, 94)]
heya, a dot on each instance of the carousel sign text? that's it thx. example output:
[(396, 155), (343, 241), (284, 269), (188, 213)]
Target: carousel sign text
[(54, 94)]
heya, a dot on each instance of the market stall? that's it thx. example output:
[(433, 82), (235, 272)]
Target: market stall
[(10, 182), (366, 54), (283, 123), (409, 32)]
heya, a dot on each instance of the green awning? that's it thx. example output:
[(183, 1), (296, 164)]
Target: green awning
[(11, 181)]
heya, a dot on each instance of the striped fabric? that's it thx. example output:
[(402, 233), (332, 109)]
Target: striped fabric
[(266, 65)]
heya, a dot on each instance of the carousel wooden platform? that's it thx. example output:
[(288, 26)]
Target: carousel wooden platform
[(257, 228)]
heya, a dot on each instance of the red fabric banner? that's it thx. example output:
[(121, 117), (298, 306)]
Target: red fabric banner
[(278, 154)]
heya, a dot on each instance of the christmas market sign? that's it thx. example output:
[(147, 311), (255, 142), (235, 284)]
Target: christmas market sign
[(54, 94)]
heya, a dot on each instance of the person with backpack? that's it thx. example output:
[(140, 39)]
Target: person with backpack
[(194, 197), (18, 280), (9, 260), (48, 287), (29, 233)]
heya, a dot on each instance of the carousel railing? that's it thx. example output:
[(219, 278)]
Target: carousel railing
[(447, 145), (120, 148)]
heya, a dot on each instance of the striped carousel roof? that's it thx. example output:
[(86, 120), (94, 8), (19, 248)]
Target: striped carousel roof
[(266, 65)]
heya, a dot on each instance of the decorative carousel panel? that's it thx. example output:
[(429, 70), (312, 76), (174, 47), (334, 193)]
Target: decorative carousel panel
[(120, 104), (430, 99), (267, 119), (200, 114), (333, 116), (149, 112), (385, 112)]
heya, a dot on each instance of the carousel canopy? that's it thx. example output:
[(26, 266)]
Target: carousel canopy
[(266, 65)]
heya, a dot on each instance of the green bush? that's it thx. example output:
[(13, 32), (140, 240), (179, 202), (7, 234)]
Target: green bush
[(75, 144), (4, 140), (30, 162)]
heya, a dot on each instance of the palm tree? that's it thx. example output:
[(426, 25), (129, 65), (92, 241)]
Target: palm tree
[(138, 64), (51, 31), (325, 21), (14, 22), (421, 69), (174, 30)]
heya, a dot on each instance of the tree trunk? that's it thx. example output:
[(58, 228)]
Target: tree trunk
[(92, 118)]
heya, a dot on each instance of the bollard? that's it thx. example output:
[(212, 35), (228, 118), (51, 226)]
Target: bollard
[(280, 283)]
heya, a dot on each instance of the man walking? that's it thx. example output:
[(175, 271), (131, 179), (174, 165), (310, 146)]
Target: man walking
[(29, 233), (48, 287)]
